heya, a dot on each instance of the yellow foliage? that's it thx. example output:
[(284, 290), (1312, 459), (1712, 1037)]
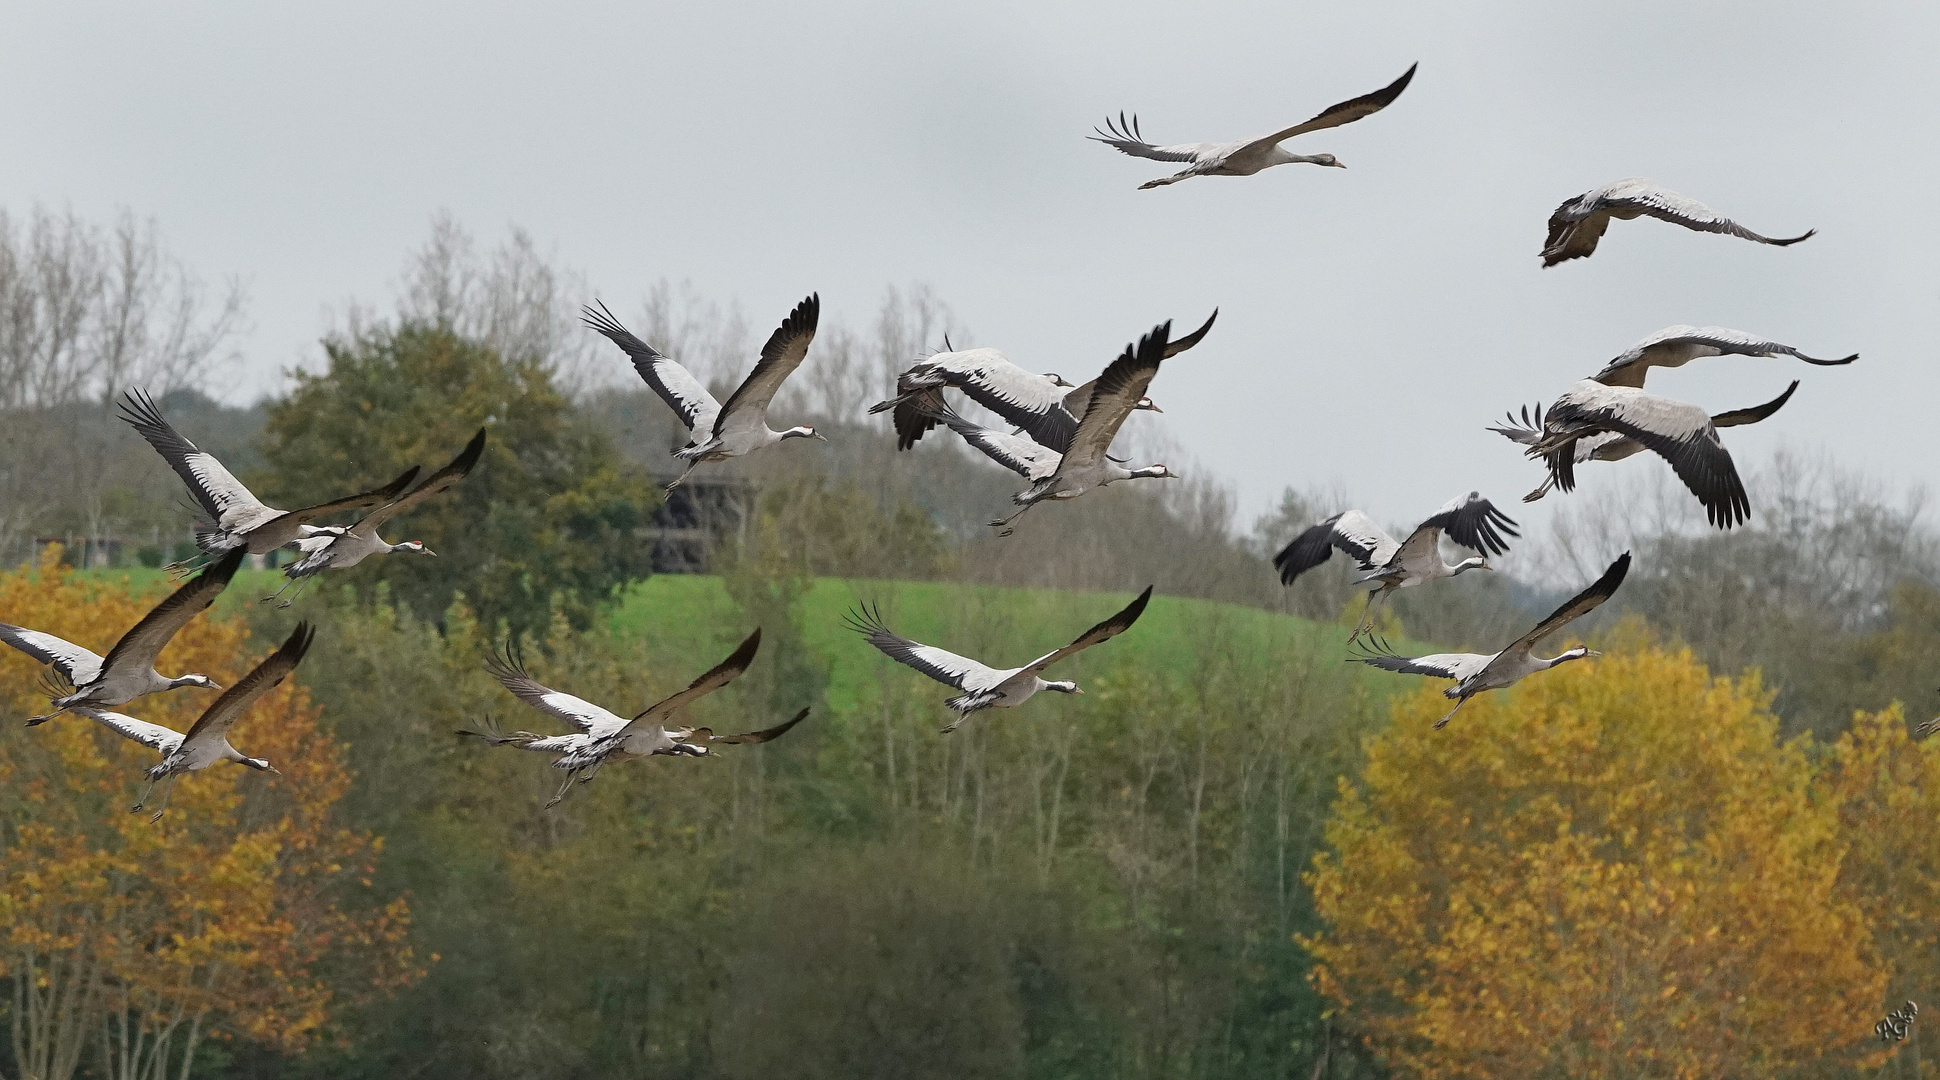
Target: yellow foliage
[(222, 912), (1888, 791), (1613, 870)]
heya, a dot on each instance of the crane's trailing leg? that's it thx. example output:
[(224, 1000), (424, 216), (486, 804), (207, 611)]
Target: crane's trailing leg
[(182, 568), (1451, 713), (691, 466), (1164, 180), (1367, 615), (167, 790), (563, 789), (299, 592), (36, 721), (284, 589), (1003, 525), (142, 803)]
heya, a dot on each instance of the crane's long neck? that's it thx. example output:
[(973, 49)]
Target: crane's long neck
[(1563, 657), (1116, 472), (1282, 156)]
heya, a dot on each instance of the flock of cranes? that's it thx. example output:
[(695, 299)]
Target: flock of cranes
[(1058, 441)]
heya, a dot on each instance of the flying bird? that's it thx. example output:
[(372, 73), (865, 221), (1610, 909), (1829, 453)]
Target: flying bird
[(987, 687), (1044, 407), (1475, 673), (1680, 433), (719, 432), (341, 548), (1578, 224), (1470, 520), (1610, 446), (1675, 346), (207, 742), (128, 671), (601, 734), (1246, 156), (232, 518), (1085, 464)]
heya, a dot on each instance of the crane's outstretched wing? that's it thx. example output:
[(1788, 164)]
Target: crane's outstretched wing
[(1675, 344), (1104, 631), (783, 353), (716, 677), (143, 642), (350, 502), (1345, 112), (945, 667), (1741, 417), (1079, 399), (1014, 452), (78, 665), (675, 384), (508, 667), (215, 488), (1376, 653), (217, 719), (1576, 606), (1353, 532), (705, 736), (153, 736), (456, 470), (1125, 137), (1118, 392), (1473, 522), (1680, 433), (1178, 345), (1666, 205)]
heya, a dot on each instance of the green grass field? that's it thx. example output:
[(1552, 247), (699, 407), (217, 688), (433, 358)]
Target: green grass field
[(997, 625)]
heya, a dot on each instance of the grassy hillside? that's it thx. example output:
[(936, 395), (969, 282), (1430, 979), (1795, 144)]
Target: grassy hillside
[(996, 625)]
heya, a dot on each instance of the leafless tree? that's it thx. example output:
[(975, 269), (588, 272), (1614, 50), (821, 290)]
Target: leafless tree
[(86, 311)]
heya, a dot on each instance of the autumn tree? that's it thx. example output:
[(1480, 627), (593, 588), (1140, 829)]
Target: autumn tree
[(245, 913), (1615, 870), (1887, 789), (550, 510)]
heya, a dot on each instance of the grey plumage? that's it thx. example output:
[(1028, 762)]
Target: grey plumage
[(1244, 157), (1578, 223)]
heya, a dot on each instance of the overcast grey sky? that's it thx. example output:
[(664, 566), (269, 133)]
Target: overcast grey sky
[(1374, 319)]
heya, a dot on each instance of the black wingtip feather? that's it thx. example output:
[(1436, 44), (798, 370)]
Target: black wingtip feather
[(1306, 551)]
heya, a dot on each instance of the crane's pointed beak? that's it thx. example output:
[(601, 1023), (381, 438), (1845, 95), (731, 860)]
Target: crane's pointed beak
[(1593, 652), (1339, 165)]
